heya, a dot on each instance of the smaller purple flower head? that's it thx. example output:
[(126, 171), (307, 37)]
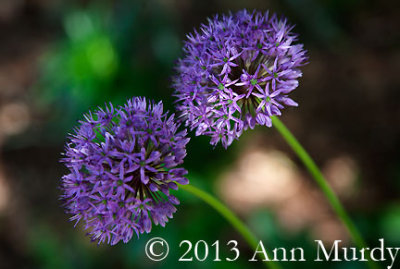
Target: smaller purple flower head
[(237, 71), (122, 164)]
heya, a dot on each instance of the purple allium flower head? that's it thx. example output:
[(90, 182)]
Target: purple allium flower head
[(237, 71), (122, 163)]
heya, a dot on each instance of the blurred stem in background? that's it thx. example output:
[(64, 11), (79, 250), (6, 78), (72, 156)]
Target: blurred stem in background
[(323, 184), (232, 219)]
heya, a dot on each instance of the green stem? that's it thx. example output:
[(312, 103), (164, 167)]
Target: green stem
[(232, 219), (323, 184)]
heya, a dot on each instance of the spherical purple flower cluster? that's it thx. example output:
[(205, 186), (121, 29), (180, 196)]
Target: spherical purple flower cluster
[(122, 163), (237, 72)]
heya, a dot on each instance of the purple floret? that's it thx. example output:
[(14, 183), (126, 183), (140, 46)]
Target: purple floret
[(122, 163), (237, 72)]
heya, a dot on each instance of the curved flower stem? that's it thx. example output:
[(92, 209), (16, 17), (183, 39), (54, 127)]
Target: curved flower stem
[(323, 184), (232, 219)]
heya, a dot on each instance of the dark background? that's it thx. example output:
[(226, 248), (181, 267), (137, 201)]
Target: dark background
[(58, 59)]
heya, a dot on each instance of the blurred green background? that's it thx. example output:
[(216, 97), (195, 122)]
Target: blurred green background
[(58, 59)]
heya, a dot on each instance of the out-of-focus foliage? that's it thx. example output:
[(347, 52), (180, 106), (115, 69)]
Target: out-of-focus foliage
[(106, 56)]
